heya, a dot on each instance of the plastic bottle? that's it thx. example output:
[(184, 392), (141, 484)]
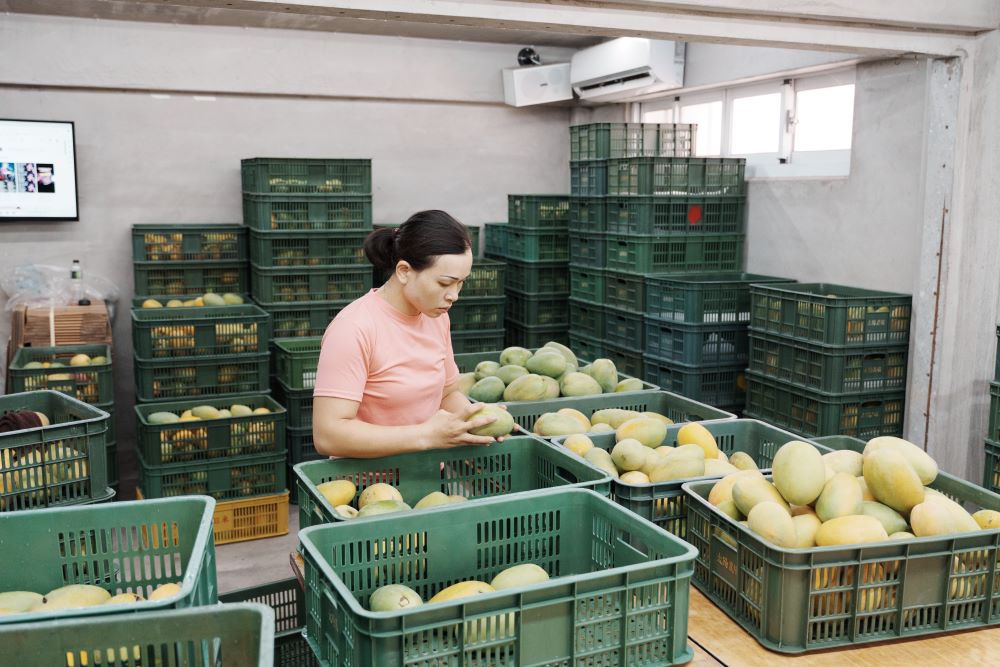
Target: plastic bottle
[(76, 283)]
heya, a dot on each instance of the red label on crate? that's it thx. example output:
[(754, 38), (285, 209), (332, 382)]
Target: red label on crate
[(694, 215)]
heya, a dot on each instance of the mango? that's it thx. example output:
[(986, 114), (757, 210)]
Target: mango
[(925, 467), (548, 362), (743, 461), (394, 597), (852, 529), (806, 526), (890, 519), (488, 390), (514, 356), (683, 463), (486, 369), (125, 598), (729, 508), (841, 496), (987, 520), (932, 518), (503, 425), (717, 468), (510, 373), (432, 499), (723, 489), (963, 521), (98, 360), (159, 418), (551, 388), (601, 428), (773, 523), (634, 477), (240, 410), (151, 303), (262, 410), (175, 303), (628, 384), (19, 601), (798, 472), (579, 384), (722, 457), (892, 481), (656, 415), (528, 387), (518, 576), (552, 424), (696, 434), (750, 490), (456, 498), (373, 508), (664, 449), (465, 382), (212, 299), (902, 535), (866, 494), (346, 511), (845, 460), (577, 415), (80, 595), (613, 417), (205, 412), (460, 590), (601, 459), (338, 491), (378, 492), (567, 353), (232, 299), (653, 460), (578, 443), (650, 432), (79, 360), (606, 374), (629, 455)]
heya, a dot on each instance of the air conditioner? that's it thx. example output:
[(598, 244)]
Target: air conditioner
[(626, 67)]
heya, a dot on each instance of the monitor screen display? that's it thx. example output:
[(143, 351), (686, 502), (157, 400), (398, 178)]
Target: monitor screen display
[(37, 170)]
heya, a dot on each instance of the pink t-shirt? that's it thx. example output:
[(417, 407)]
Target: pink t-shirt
[(395, 365)]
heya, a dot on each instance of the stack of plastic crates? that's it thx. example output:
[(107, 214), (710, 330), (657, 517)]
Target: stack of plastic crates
[(307, 220), (90, 380), (828, 359), (295, 362), (696, 334), (535, 245), (991, 473)]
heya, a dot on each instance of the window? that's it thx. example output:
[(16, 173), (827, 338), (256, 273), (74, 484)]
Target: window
[(784, 128)]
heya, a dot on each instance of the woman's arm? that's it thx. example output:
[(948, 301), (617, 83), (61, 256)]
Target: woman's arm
[(453, 400), (338, 432)]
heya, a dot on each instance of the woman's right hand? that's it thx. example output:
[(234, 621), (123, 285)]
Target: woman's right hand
[(449, 429)]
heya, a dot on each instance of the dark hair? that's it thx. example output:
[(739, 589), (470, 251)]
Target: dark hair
[(420, 239)]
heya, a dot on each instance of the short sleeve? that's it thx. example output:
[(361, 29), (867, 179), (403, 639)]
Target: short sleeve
[(344, 359), (450, 367)]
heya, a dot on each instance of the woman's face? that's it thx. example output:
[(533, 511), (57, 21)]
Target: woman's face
[(435, 289)]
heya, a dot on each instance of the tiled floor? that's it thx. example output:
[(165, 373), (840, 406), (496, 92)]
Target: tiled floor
[(243, 564)]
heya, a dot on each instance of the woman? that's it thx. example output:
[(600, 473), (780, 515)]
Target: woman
[(387, 380)]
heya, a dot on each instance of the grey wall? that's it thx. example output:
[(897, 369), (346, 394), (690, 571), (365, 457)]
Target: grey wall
[(865, 229), (148, 159), (708, 64)]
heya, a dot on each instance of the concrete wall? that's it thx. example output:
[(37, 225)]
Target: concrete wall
[(708, 64), (146, 158)]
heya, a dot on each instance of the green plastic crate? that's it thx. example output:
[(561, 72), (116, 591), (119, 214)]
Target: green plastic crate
[(281, 285), (537, 309), (537, 244), (265, 175), (617, 140), (624, 329), (477, 313), (676, 215), (307, 249), (538, 211), (687, 253), (487, 278), (831, 314), (994, 425), (711, 298), (587, 214), (210, 439), (664, 503), (831, 369), (190, 279), (587, 319), (813, 413), (295, 361), (627, 359), (537, 277), (618, 593), (625, 291), (672, 406), (208, 376), (61, 464), (589, 178), (159, 333), (535, 335), (587, 347), (697, 344), (991, 471), (131, 546), (111, 451), (996, 371), (676, 176), (586, 283), (188, 243), (496, 239), (797, 600), (588, 249), (223, 479), (298, 403), (482, 340), (277, 213), (296, 320), (231, 636), (715, 385), (519, 464), (92, 384), (286, 600), (301, 447)]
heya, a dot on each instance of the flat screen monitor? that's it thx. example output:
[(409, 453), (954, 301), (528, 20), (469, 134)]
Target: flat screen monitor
[(37, 170)]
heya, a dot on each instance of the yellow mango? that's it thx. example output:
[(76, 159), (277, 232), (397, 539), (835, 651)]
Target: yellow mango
[(650, 432), (852, 529), (601, 459), (798, 472), (892, 481), (773, 523), (378, 492), (656, 415), (576, 414), (553, 423), (743, 461), (717, 468), (845, 460), (613, 417), (925, 467), (578, 443), (890, 519), (806, 526), (629, 454), (634, 477), (751, 489), (338, 491), (696, 434), (841, 496), (987, 519), (723, 489), (462, 589)]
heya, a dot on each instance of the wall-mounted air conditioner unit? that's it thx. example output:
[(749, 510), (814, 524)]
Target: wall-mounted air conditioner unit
[(627, 67)]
